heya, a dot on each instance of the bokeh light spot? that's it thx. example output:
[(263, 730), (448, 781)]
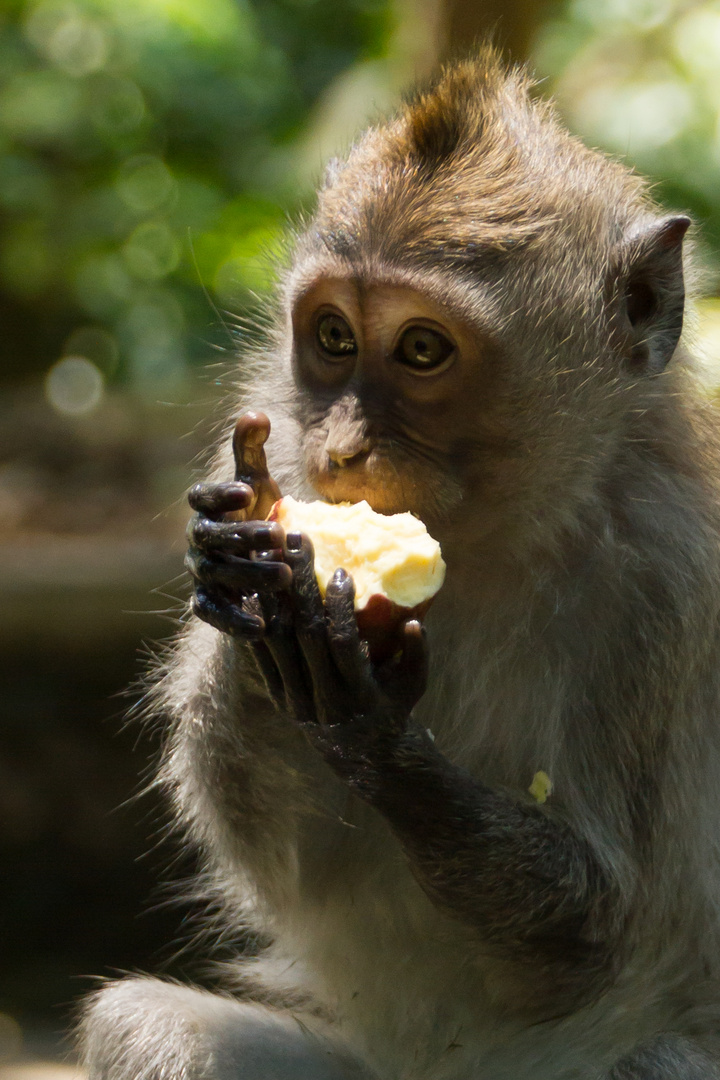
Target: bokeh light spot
[(79, 46), (73, 42), (74, 386), (43, 20), (152, 251), (635, 117), (696, 38), (643, 14), (117, 105), (144, 182)]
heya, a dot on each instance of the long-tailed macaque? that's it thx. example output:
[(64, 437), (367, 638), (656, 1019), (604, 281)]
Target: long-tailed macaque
[(481, 325)]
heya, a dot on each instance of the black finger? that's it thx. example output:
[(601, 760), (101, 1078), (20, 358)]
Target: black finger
[(285, 651), (347, 648), (249, 438), (309, 610), (238, 575), (307, 600), (251, 432), (234, 537), (277, 619), (406, 678), (214, 500), (226, 616)]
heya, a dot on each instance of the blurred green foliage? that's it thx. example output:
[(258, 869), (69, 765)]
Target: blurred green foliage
[(149, 156), (145, 157), (641, 78)]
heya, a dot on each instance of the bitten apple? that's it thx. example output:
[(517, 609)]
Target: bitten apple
[(395, 564)]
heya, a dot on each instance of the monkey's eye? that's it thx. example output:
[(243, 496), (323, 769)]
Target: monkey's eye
[(422, 348), (335, 336)]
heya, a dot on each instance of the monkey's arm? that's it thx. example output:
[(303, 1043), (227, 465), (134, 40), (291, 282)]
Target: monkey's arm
[(518, 874), (532, 889)]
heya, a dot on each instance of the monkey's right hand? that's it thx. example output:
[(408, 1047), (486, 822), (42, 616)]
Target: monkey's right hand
[(234, 561)]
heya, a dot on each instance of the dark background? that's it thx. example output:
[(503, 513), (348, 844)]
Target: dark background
[(151, 155)]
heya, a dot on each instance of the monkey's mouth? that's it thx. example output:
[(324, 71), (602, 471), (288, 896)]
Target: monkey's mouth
[(369, 481), (343, 485)]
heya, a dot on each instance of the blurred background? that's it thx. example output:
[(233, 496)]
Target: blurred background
[(152, 153)]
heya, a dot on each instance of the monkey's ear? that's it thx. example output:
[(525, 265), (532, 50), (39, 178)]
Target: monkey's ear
[(653, 297)]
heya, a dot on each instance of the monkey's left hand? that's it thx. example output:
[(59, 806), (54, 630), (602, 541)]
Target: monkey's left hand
[(318, 667)]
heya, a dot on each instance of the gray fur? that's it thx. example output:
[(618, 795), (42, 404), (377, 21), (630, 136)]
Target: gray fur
[(577, 502), (143, 1028), (666, 1058)]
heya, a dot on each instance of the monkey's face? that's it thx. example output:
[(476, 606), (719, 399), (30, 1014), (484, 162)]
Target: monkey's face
[(478, 409), (383, 371)]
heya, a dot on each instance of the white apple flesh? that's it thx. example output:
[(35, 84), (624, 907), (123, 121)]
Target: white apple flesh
[(395, 564)]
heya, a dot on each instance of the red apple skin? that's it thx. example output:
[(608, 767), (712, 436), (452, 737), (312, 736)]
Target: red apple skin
[(380, 624)]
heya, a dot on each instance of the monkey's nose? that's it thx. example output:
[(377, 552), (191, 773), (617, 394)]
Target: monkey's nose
[(341, 459)]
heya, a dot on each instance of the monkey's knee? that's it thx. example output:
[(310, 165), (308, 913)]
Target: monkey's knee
[(668, 1057), (144, 1029)]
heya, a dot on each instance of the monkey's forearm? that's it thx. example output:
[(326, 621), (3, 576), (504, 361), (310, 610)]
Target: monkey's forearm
[(532, 888)]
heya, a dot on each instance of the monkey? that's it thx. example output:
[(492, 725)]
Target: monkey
[(481, 324)]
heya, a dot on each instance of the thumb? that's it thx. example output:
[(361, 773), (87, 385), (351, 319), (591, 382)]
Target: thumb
[(249, 438)]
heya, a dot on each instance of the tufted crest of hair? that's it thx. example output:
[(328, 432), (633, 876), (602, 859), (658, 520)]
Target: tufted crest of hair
[(472, 161)]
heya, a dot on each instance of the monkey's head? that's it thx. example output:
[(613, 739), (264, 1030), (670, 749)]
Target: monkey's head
[(479, 309)]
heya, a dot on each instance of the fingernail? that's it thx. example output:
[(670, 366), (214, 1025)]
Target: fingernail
[(340, 576), (262, 536), (294, 541)]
